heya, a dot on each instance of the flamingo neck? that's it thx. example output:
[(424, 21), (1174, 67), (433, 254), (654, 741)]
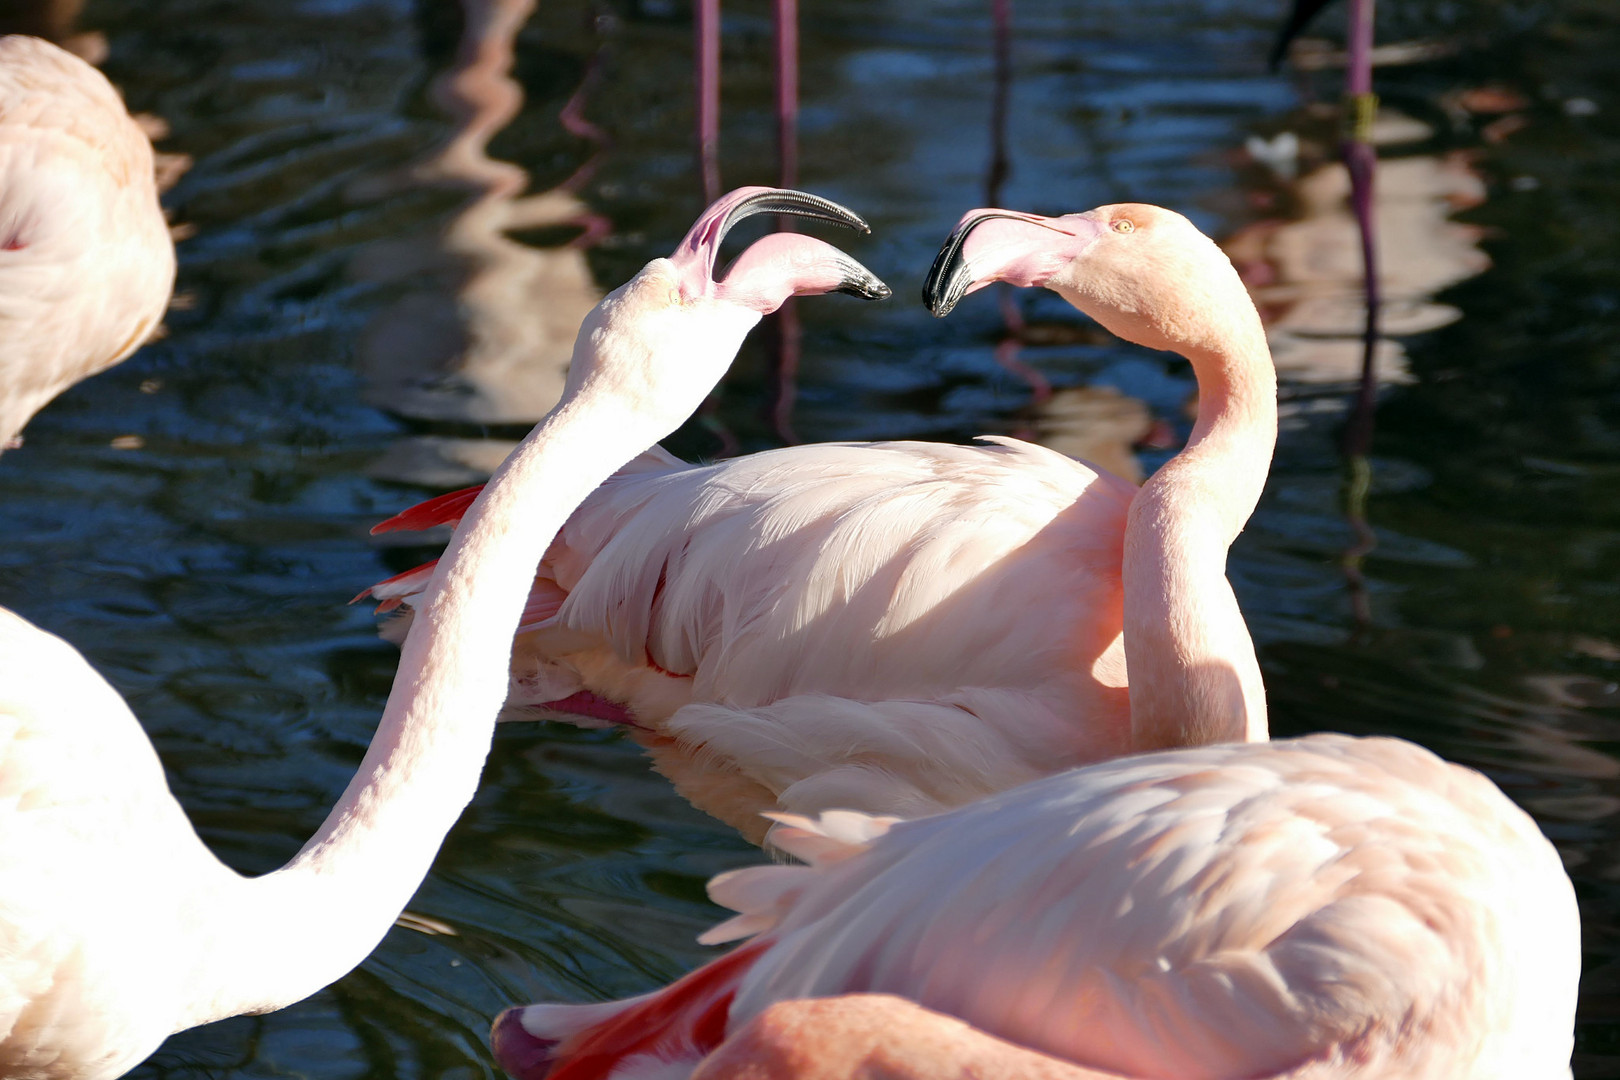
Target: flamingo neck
[(273, 940), (1194, 678)]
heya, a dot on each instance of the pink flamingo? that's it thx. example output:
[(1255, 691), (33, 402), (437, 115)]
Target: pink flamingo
[(118, 927), (1316, 908), (86, 263), (892, 627)]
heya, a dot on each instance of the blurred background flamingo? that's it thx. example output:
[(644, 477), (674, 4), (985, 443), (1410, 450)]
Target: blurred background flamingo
[(86, 263)]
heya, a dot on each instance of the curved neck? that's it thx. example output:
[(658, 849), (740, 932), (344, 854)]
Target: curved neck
[(1194, 678), (270, 941)]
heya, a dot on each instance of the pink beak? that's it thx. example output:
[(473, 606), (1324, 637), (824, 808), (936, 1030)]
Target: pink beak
[(698, 252), (1004, 245)]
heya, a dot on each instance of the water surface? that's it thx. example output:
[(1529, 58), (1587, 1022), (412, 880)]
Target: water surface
[(195, 520)]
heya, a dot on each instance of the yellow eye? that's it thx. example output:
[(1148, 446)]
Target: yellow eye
[(1124, 225)]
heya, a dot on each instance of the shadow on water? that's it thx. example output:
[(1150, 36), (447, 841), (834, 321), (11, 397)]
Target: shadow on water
[(195, 519)]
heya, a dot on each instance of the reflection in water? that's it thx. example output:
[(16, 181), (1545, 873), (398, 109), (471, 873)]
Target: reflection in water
[(1331, 295), (489, 341), (57, 21), (1305, 269), (206, 573), (1096, 424)]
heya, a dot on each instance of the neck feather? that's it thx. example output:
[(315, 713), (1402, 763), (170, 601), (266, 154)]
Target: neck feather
[(276, 939), (1194, 678)]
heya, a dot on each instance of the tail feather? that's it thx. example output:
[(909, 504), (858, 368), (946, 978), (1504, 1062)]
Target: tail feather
[(448, 508), (441, 510), (394, 591), (682, 1023)]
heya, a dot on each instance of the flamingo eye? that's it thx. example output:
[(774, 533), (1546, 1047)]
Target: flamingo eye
[(1124, 225)]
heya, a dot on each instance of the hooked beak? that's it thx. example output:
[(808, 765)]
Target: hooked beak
[(1004, 245), (701, 247)]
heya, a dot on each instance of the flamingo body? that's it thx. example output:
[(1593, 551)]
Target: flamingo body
[(718, 603), (903, 627), (86, 262), (119, 927), (1318, 907)]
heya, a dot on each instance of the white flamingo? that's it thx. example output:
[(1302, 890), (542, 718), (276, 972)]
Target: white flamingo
[(118, 927), (86, 263), (1316, 908), (894, 627)]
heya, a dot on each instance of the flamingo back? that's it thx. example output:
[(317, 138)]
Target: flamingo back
[(718, 605), (1324, 906), (1319, 907)]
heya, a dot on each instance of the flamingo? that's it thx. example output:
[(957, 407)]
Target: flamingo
[(118, 927), (897, 627), (86, 262), (1314, 908)]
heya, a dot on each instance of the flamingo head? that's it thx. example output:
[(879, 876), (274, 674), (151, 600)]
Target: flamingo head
[(1146, 273), (664, 339)]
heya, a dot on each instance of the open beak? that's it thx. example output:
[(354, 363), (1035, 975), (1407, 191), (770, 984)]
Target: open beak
[(990, 245), (701, 247)]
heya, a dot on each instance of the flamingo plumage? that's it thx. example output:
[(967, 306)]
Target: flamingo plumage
[(1314, 908), (119, 927), (893, 627), (86, 262), (1317, 907)]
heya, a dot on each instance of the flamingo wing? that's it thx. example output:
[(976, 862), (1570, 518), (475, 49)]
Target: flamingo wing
[(752, 577), (1320, 907), (1240, 910)]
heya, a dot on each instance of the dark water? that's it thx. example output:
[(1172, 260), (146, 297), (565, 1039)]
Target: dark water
[(203, 566)]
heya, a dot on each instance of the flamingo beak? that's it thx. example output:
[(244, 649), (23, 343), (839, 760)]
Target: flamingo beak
[(698, 252), (861, 282), (786, 264), (1003, 245)]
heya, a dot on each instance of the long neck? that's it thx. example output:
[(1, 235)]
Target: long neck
[(273, 940), (1194, 678)]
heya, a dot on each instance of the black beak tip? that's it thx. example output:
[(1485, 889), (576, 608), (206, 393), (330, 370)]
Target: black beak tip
[(866, 287), (944, 289)]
